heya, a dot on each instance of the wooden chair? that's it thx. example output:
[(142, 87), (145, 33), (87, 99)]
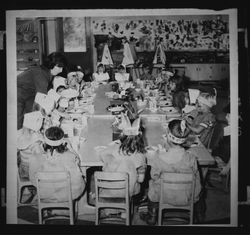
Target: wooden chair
[(55, 180), (21, 185), (214, 177), (176, 212), (107, 184), (213, 173)]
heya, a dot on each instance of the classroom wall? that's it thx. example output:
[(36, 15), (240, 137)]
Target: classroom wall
[(199, 32), (84, 59)]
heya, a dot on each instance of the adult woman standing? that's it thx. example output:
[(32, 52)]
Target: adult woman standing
[(36, 79)]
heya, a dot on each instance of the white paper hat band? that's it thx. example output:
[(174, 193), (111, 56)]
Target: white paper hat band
[(176, 139), (53, 142)]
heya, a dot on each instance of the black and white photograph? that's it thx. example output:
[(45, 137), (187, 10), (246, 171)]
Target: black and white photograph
[(125, 117)]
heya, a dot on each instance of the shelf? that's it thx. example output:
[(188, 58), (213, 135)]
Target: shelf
[(27, 61), (27, 46)]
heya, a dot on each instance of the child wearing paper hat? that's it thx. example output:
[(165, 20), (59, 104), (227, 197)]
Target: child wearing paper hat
[(127, 154), (185, 101), (202, 119), (75, 76), (173, 159), (59, 81), (58, 157)]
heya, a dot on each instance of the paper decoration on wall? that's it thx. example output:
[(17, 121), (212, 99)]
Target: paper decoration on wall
[(106, 56), (160, 57), (176, 32), (127, 55)]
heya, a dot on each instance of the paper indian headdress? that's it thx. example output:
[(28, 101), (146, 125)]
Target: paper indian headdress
[(128, 128)]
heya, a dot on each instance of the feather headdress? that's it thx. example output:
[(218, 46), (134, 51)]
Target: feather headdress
[(128, 128), (175, 139)]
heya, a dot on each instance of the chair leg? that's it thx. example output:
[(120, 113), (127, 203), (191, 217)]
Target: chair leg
[(19, 196), (96, 216), (40, 215), (75, 213), (71, 216), (159, 217)]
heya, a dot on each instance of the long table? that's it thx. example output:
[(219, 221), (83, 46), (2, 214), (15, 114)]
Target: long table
[(101, 102), (100, 134)]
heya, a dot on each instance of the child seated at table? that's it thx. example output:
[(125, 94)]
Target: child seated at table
[(201, 120), (56, 156), (59, 112), (122, 76), (127, 155), (59, 81), (175, 84), (75, 77), (185, 101), (163, 78), (147, 73), (72, 82), (100, 76), (222, 150), (173, 159)]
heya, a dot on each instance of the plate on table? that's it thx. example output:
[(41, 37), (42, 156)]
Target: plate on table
[(164, 103), (169, 109), (115, 108), (69, 93), (76, 111)]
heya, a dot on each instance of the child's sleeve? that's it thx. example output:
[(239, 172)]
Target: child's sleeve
[(208, 121)]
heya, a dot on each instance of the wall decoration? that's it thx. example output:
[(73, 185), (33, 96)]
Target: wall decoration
[(74, 34), (173, 32)]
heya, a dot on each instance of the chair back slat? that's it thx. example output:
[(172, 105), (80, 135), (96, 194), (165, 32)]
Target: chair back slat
[(112, 186), (54, 190), (177, 192)]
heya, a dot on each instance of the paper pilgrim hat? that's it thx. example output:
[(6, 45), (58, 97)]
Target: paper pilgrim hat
[(193, 95), (59, 81), (47, 102), (106, 56), (127, 55), (54, 95), (33, 120)]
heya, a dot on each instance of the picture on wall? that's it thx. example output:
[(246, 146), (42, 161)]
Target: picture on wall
[(74, 34)]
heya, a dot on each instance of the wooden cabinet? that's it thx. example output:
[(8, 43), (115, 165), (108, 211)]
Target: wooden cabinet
[(203, 72), (28, 44)]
